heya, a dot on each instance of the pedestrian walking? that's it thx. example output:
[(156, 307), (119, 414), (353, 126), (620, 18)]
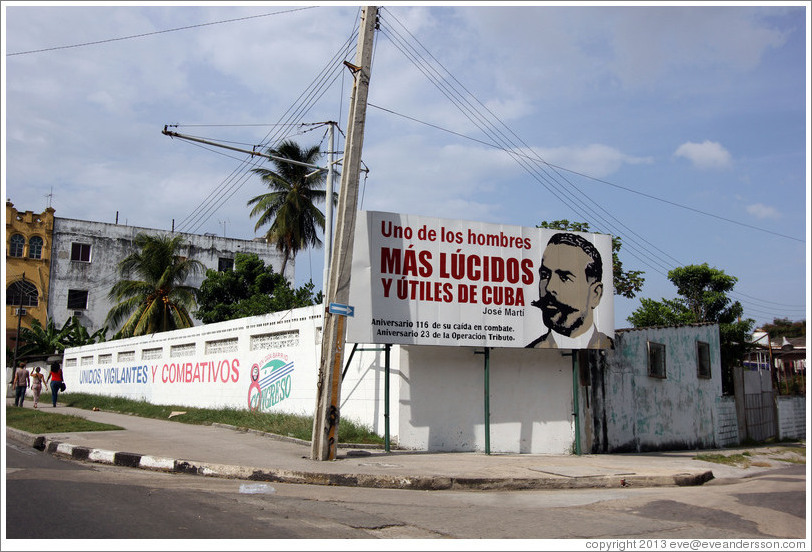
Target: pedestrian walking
[(37, 381), (57, 382), (21, 381)]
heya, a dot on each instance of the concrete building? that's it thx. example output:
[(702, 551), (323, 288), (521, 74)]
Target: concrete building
[(85, 256), (29, 237), (659, 389)]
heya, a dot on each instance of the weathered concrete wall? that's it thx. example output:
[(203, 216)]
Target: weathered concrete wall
[(791, 417), (211, 366), (443, 395), (727, 426), (646, 413), (109, 244)]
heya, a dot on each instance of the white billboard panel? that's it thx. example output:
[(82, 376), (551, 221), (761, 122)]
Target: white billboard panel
[(430, 281)]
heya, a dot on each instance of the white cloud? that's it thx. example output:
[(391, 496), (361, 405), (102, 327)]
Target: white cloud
[(596, 160), (759, 210), (707, 155)]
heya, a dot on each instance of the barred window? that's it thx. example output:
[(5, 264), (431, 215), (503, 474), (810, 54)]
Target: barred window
[(106, 359), (70, 363), (35, 247), (187, 349), (22, 293), (16, 245), (221, 346), (152, 354), (656, 360), (703, 367), (87, 360), (274, 340), (126, 356)]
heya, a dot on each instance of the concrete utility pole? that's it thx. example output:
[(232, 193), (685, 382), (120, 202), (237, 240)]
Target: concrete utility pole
[(328, 393), (328, 211)]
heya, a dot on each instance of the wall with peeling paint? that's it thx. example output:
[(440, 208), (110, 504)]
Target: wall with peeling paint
[(640, 412)]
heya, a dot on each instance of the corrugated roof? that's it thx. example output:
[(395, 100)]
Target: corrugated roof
[(621, 330)]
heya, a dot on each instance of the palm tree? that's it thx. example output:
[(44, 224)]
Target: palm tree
[(43, 340), (158, 301), (47, 339), (289, 207)]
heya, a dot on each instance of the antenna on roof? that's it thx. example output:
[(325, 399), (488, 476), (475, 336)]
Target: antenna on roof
[(50, 196)]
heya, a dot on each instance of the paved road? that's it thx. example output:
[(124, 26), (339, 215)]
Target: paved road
[(101, 501)]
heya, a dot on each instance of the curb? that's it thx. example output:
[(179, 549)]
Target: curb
[(403, 482)]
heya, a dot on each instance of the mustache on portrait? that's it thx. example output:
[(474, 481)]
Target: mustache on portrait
[(550, 301)]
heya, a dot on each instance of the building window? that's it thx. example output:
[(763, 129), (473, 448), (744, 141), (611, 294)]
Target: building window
[(656, 360), (35, 247), (80, 252), (16, 245), (126, 356), (224, 264), (703, 367), (77, 299), (22, 293)]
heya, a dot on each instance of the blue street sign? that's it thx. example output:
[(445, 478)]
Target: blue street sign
[(338, 308)]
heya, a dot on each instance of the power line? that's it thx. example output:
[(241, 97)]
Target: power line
[(142, 35), (539, 169), (599, 180)]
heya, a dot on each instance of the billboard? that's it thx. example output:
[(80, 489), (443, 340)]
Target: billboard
[(420, 280)]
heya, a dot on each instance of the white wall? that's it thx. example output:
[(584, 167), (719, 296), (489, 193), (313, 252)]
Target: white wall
[(791, 417), (727, 426), (210, 367), (442, 400)]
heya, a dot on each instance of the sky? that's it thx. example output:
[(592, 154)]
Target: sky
[(682, 129)]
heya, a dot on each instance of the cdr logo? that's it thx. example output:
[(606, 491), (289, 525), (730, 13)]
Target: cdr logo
[(270, 382)]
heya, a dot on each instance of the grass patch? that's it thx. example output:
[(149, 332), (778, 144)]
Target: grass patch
[(38, 421), (736, 460), (289, 425)]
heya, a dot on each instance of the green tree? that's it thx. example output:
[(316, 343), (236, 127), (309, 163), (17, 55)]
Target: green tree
[(703, 298), (43, 340), (157, 300), (79, 335), (784, 327), (289, 206), (48, 339), (250, 289), (628, 283)]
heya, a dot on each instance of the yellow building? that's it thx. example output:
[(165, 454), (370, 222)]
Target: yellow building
[(29, 238)]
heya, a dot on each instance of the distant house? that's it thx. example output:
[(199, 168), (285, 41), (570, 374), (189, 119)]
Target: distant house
[(771, 388)]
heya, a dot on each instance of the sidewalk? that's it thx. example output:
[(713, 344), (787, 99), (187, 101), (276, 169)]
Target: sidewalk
[(223, 451)]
